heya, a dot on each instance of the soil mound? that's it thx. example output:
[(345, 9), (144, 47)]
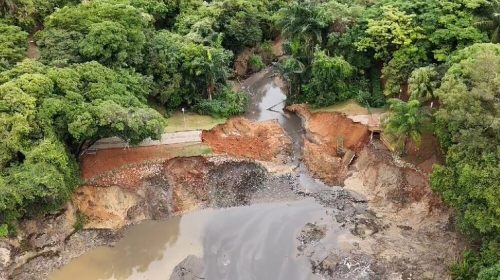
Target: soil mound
[(265, 141)]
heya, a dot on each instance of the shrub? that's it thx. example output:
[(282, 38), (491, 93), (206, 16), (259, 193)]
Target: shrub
[(80, 220), (4, 230), (225, 104), (255, 63), (265, 50)]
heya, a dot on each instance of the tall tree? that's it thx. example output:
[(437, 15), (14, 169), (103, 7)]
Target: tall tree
[(13, 45), (109, 32), (183, 71), (302, 21), (329, 82), (393, 30), (468, 126), (491, 21), (423, 82)]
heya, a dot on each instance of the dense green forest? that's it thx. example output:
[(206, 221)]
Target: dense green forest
[(104, 62)]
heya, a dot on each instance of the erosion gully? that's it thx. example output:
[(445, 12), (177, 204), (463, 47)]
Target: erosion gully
[(257, 241)]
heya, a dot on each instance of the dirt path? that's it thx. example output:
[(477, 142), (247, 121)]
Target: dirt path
[(33, 51)]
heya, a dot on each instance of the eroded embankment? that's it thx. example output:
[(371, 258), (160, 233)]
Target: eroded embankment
[(330, 141), (407, 232), (163, 189), (239, 137), (385, 223)]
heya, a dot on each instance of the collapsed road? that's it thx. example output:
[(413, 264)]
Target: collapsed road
[(276, 201)]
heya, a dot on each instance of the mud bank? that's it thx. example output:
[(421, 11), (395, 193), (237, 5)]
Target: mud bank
[(329, 136), (252, 210), (265, 141), (113, 203), (408, 233)]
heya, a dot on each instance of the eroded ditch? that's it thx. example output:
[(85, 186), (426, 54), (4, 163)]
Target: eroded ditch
[(253, 213)]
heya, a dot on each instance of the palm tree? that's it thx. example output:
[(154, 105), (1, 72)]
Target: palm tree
[(422, 83), (302, 21), (214, 70), (405, 121), (491, 21)]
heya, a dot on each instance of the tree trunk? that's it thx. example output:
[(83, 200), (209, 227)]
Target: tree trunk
[(210, 89), (84, 146), (403, 150)]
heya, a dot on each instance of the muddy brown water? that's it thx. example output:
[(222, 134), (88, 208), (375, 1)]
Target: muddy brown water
[(267, 102), (248, 242), (251, 242)]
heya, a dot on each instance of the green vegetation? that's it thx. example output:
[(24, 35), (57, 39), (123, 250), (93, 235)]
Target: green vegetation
[(406, 120), (80, 220), (394, 37), (4, 230), (13, 45), (467, 126), (49, 115), (255, 63), (191, 121), (103, 61)]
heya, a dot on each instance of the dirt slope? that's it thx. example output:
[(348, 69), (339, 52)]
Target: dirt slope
[(324, 130), (265, 141)]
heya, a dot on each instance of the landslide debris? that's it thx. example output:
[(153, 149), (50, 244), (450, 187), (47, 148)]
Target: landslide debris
[(329, 137), (129, 195), (239, 137), (399, 228)]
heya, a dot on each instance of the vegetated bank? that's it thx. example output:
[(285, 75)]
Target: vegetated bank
[(363, 229), (100, 62)]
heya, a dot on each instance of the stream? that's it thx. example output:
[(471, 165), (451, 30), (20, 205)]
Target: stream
[(257, 241)]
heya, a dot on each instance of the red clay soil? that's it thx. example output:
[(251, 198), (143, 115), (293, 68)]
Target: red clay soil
[(320, 146), (239, 137), (330, 126), (111, 159)]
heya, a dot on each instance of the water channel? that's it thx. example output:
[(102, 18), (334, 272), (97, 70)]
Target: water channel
[(248, 242)]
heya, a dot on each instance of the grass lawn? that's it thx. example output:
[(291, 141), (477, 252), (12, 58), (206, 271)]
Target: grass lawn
[(191, 121), (350, 107)]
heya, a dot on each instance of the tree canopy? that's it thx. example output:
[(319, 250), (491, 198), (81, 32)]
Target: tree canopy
[(13, 45), (468, 125), (110, 32), (49, 115)]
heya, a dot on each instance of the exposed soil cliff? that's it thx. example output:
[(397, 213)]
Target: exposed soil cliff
[(326, 133), (265, 141)]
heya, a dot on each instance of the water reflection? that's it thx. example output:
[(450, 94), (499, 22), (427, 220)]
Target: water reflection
[(249, 242), (137, 254), (258, 242)]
